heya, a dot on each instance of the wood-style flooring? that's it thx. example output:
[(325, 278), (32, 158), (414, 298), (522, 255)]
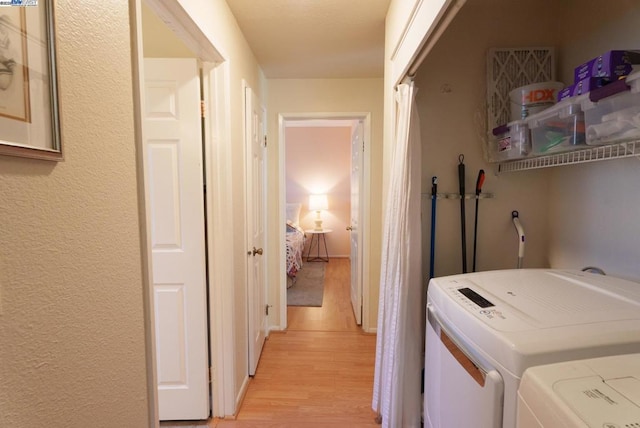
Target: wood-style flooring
[(317, 373)]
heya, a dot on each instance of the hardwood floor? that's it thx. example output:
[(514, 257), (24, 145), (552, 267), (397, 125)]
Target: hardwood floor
[(319, 372), (336, 313)]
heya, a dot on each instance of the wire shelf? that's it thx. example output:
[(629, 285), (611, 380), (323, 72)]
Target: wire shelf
[(590, 154)]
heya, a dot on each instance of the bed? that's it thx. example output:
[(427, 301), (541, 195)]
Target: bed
[(295, 243)]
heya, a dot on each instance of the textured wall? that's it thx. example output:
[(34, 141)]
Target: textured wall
[(71, 312), (595, 206), (158, 41)]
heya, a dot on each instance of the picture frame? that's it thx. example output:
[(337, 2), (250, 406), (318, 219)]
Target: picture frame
[(29, 113)]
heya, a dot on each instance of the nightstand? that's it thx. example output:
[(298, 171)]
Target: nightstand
[(318, 235)]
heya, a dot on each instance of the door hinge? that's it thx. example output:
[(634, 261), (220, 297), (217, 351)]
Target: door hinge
[(266, 310), (265, 141), (203, 109), (210, 374), (363, 145)]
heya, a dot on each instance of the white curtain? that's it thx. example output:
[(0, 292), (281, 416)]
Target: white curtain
[(398, 370)]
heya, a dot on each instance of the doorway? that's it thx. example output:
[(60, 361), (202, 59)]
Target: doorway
[(305, 182), (162, 32), (174, 174)]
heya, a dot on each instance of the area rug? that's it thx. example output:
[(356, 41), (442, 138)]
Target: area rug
[(308, 289)]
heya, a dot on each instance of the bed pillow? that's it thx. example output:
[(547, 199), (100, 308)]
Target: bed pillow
[(293, 213), (293, 228)]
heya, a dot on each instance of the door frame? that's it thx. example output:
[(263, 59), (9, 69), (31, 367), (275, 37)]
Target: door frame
[(218, 156), (365, 216), (215, 81)]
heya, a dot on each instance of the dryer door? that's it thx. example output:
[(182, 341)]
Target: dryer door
[(461, 390)]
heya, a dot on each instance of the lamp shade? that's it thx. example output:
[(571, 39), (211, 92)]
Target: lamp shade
[(318, 202)]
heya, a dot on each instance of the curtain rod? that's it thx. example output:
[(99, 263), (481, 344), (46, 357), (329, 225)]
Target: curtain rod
[(434, 35)]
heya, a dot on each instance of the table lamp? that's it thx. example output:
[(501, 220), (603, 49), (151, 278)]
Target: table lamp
[(318, 203)]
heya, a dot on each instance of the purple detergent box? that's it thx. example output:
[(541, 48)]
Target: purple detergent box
[(582, 87), (612, 64)]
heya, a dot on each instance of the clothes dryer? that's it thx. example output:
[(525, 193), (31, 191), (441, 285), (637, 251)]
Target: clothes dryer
[(601, 393)]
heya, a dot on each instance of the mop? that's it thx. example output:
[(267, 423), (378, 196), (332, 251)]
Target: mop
[(432, 256), (520, 231), (434, 197), (479, 183), (463, 221)]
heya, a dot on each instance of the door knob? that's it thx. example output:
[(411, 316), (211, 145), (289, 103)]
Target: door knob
[(349, 228), (257, 251)]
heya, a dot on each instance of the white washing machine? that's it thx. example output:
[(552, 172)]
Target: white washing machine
[(485, 329), (599, 393)]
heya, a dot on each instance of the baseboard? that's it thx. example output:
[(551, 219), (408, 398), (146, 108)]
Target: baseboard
[(372, 331), (276, 329), (242, 394)]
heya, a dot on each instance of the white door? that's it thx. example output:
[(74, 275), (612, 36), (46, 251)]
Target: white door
[(173, 172), (256, 212), (357, 145)]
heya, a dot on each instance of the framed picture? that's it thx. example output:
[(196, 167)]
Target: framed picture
[(29, 117)]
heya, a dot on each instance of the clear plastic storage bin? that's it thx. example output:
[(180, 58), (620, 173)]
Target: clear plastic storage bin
[(511, 141), (558, 128), (616, 117)]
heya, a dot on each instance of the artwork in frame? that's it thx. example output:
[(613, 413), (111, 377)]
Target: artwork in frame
[(29, 117), (14, 70)]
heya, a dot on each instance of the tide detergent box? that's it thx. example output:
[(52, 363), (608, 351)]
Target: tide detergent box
[(612, 64)]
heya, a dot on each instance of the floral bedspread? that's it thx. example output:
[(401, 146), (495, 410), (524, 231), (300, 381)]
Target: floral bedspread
[(295, 246)]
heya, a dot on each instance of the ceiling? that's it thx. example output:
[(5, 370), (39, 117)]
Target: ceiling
[(308, 39)]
